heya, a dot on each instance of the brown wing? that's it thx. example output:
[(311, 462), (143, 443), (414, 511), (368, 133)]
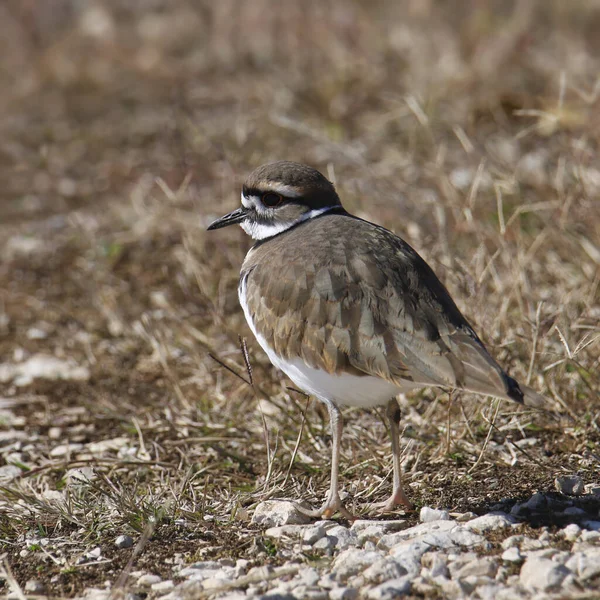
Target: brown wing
[(365, 301)]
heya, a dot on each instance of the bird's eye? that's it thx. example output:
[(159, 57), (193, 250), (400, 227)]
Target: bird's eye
[(271, 199)]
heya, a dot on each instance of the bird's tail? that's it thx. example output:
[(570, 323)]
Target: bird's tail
[(536, 400)]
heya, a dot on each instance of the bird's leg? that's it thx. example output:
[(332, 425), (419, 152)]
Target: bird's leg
[(333, 503), (398, 496)]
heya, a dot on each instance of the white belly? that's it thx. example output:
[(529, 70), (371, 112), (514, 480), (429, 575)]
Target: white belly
[(344, 389)]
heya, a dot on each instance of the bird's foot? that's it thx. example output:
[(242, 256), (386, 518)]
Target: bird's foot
[(398, 498), (332, 505)]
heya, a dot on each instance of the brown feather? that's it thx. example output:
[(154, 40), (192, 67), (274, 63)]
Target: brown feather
[(347, 295)]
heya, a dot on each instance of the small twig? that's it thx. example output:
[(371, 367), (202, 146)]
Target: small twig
[(450, 401), (531, 458), (94, 463), (298, 439), (138, 429), (207, 439), (536, 333), (487, 438), (244, 349), (218, 360), (119, 588), (12, 582)]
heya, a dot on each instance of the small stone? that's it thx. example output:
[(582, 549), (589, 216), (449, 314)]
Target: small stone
[(326, 523), (273, 513), (36, 333), (586, 565), (592, 488), (313, 533), (163, 586), (201, 570), (327, 581), (351, 562), (569, 485), (574, 511), (592, 525), (437, 527), (490, 522), (544, 536), (389, 590), (452, 589), (285, 531), (485, 566), (436, 563), (9, 472), (428, 515), (542, 574), (95, 553), (372, 531), (537, 502), (325, 544), (385, 526), (561, 556), (33, 586), (571, 532), (124, 541), (55, 433), (592, 536), (148, 579), (384, 569), (65, 449), (306, 593), (512, 555), (308, 576), (462, 517), (342, 537), (423, 589), (215, 583), (343, 593)]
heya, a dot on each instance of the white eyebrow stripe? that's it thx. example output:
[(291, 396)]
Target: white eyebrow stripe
[(289, 191)]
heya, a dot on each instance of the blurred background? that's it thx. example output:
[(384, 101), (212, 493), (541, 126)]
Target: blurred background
[(470, 128), (96, 94)]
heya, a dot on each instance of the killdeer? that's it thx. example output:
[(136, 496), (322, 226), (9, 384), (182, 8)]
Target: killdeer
[(349, 311)]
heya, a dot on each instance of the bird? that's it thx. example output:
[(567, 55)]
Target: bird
[(350, 312)]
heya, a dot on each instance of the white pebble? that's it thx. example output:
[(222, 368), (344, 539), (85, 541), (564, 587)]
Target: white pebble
[(313, 534), (33, 586), (512, 555), (428, 515), (148, 579), (343, 593), (273, 513), (570, 485), (163, 586), (490, 522), (571, 532), (124, 541), (542, 574)]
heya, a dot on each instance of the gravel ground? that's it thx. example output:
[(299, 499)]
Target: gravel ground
[(446, 555)]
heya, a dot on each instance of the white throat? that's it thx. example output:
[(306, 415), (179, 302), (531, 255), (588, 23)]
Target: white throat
[(261, 231)]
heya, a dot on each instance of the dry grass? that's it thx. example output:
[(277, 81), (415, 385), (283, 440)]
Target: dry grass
[(472, 130)]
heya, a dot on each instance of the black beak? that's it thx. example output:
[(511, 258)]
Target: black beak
[(237, 216)]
